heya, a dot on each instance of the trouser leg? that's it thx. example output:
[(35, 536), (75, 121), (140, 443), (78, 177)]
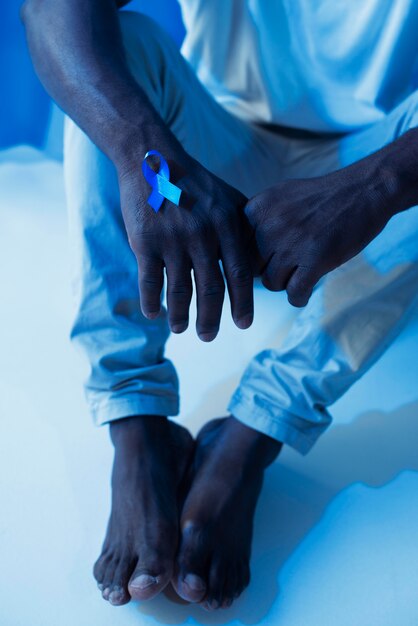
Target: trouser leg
[(353, 316), (128, 372)]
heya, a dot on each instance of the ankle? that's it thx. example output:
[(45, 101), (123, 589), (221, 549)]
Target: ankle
[(131, 430), (260, 449)]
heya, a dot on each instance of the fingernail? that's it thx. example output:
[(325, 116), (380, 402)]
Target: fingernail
[(152, 315), (194, 582), (143, 581), (178, 328), (244, 322), (207, 336)]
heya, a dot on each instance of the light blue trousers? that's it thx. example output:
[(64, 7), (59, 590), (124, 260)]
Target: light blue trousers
[(354, 314)]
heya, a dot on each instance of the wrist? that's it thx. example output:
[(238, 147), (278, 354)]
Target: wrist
[(398, 171), (129, 126), (134, 144)]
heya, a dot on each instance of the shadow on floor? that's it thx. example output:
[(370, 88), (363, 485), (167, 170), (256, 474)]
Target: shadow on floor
[(372, 449)]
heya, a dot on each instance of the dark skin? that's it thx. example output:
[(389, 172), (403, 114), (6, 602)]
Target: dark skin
[(306, 228), (182, 511), (85, 71)]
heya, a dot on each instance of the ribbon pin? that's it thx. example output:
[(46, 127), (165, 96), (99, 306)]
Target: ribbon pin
[(160, 182)]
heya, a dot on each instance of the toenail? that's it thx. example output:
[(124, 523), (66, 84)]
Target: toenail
[(143, 581), (105, 593), (194, 582), (116, 596), (100, 586), (179, 328)]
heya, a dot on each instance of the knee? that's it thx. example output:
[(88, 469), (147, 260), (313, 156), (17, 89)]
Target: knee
[(142, 37), (410, 115), (147, 48)]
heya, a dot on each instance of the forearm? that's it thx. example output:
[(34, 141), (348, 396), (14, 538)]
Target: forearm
[(391, 174), (77, 50)]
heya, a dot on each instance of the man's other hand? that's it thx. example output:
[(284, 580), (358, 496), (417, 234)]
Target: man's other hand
[(305, 228)]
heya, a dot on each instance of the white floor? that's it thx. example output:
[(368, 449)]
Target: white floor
[(336, 537)]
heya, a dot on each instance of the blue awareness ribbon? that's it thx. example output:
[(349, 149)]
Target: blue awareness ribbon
[(160, 182)]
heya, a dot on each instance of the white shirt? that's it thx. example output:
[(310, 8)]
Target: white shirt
[(321, 65)]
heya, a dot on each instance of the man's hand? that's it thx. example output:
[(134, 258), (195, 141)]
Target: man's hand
[(306, 228), (78, 52), (209, 225)]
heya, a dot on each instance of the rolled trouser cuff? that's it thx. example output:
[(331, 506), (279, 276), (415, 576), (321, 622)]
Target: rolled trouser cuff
[(280, 424), (130, 405)]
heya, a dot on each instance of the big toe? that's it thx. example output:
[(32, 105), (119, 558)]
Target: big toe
[(150, 578), (190, 580), (190, 586)]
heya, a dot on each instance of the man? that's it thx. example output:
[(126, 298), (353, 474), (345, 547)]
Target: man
[(271, 92)]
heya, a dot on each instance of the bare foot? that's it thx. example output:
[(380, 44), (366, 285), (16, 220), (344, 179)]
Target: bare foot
[(212, 565), (152, 456)]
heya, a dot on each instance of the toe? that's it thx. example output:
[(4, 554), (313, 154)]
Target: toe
[(190, 587), (242, 578), (230, 586), (108, 577), (192, 565), (100, 568), (218, 580), (118, 596), (105, 593), (118, 589), (209, 605), (150, 577), (112, 573)]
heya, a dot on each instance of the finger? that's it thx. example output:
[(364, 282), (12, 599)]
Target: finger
[(210, 290), (239, 278), (276, 275), (300, 286), (179, 293), (151, 280)]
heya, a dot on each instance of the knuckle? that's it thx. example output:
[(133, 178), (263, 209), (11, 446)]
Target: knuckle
[(148, 282), (224, 218), (198, 230), (206, 263), (146, 259), (179, 290), (240, 274), (212, 290), (257, 206)]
